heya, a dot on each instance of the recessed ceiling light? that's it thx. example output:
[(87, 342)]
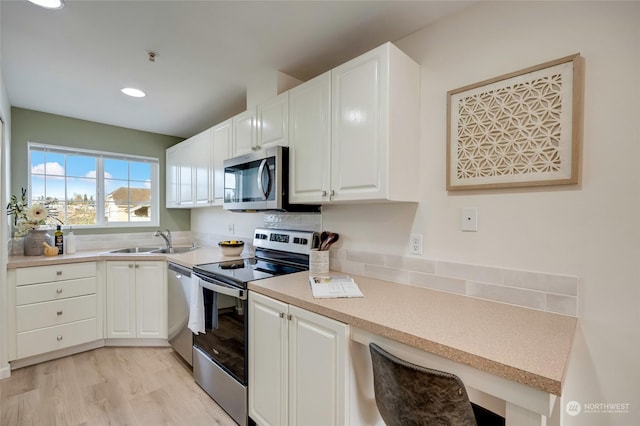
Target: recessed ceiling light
[(49, 4), (130, 91)]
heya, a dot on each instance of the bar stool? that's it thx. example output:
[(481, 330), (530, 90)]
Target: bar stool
[(408, 394)]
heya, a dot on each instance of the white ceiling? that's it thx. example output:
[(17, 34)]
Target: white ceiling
[(74, 61)]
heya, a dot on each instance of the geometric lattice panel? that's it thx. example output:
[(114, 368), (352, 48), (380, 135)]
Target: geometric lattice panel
[(516, 130)]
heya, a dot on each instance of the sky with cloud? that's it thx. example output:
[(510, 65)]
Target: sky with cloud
[(50, 172)]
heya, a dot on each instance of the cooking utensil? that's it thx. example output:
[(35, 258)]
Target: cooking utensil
[(323, 238), (331, 238)]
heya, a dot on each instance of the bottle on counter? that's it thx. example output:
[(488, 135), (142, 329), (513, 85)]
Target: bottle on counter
[(59, 239), (70, 242)]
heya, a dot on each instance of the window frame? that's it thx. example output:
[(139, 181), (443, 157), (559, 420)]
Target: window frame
[(100, 200)]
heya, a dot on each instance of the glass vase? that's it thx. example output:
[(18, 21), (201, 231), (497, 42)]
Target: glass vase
[(33, 242), (17, 246)]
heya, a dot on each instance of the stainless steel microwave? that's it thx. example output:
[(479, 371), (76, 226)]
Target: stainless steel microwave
[(259, 181)]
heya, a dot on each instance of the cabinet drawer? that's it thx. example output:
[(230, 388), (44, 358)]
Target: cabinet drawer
[(43, 274), (35, 293), (53, 338), (47, 314)]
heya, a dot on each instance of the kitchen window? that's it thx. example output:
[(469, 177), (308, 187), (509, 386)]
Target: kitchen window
[(86, 188)]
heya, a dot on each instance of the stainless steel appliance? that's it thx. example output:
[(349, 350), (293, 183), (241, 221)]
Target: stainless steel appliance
[(178, 288), (220, 354), (260, 181)]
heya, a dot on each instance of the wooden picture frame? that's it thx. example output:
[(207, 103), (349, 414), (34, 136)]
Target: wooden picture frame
[(519, 129)]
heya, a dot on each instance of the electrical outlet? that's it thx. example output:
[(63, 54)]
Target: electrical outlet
[(415, 244), (230, 229)]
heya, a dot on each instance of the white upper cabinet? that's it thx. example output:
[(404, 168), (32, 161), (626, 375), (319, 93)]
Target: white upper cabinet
[(353, 134), (309, 140), (244, 133), (273, 122), (201, 156), (220, 148), (171, 178), (190, 170), (185, 174), (262, 127), (375, 127), (179, 176), (373, 150)]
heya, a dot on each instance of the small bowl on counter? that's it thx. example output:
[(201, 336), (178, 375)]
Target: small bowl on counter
[(231, 247)]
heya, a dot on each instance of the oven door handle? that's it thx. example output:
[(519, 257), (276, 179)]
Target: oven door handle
[(264, 191), (229, 291)]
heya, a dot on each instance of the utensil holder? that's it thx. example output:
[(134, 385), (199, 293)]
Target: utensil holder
[(319, 261)]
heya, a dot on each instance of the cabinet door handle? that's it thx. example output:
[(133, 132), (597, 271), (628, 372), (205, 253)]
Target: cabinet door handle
[(59, 338), (281, 314), (131, 265), (324, 193), (137, 266), (59, 313), (332, 193), (289, 317), (58, 273), (59, 290)]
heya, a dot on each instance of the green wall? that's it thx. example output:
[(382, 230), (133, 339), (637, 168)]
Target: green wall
[(33, 126)]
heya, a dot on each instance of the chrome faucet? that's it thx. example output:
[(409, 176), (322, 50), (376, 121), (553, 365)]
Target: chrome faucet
[(166, 236)]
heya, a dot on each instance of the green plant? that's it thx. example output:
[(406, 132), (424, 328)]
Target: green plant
[(18, 208), (26, 218)]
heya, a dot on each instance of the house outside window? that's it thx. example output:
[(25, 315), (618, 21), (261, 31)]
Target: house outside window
[(85, 188)]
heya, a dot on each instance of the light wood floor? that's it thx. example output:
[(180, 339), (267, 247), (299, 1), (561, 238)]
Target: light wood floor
[(108, 386)]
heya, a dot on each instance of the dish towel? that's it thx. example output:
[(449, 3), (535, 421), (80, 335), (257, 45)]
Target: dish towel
[(211, 302), (196, 306)]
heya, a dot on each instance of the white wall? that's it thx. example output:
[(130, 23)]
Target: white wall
[(590, 230)]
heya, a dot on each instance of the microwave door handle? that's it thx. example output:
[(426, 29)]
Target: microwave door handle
[(233, 292), (264, 191)]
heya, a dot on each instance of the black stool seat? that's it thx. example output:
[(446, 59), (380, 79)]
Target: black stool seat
[(408, 394)]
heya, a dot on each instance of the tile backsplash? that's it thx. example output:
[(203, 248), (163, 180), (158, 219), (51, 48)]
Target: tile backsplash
[(543, 291), (536, 290)]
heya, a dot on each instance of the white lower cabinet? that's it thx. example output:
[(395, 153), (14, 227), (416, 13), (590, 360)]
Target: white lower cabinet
[(136, 295), (297, 365), (53, 307)]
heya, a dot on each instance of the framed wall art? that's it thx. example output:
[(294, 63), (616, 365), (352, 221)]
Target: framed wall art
[(520, 129)]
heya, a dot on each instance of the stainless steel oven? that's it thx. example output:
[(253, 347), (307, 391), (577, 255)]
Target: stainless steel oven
[(220, 353)]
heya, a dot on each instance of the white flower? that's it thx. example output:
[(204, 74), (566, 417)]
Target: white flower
[(37, 213)]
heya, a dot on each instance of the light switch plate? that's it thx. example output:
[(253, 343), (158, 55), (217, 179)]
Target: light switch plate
[(469, 220)]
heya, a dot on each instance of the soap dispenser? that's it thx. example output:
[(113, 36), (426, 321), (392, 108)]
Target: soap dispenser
[(70, 242)]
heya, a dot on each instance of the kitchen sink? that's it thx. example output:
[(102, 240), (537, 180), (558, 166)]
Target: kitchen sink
[(174, 250), (135, 250)]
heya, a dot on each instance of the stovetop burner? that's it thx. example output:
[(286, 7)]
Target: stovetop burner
[(240, 272), (278, 252), (234, 264)]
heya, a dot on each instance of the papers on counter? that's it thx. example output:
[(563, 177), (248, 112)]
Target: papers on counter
[(334, 287)]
